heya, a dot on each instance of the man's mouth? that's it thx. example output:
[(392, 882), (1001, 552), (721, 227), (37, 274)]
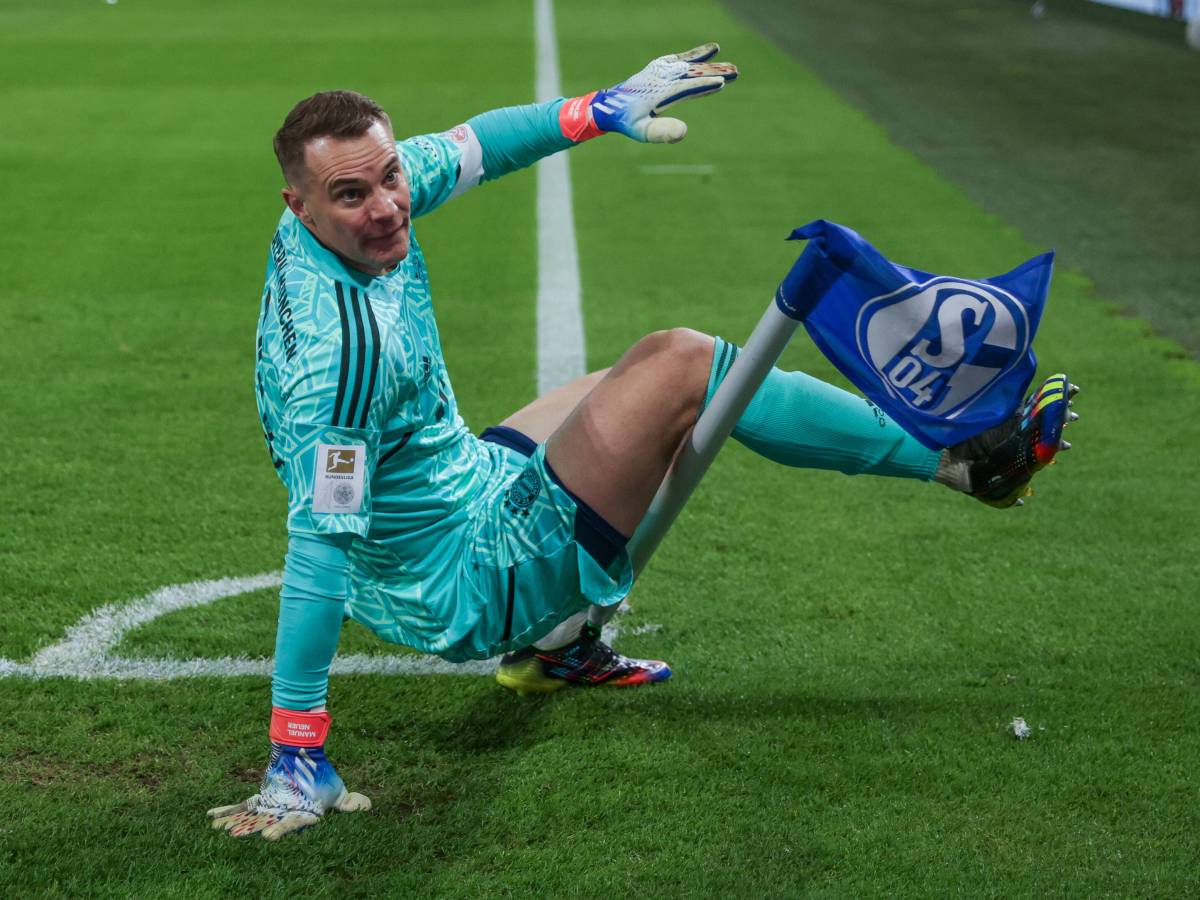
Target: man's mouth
[(388, 236)]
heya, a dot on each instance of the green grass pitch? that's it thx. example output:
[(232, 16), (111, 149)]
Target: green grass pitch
[(848, 652)]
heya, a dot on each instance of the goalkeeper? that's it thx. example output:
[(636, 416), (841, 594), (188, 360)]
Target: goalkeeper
[(513, 542)]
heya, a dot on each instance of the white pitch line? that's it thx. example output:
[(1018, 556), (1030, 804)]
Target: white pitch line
[(560, 350), (169, 668), (84, 649), (88, 642)]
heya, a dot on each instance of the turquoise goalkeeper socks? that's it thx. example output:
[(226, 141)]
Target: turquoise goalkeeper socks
[(799, 421)]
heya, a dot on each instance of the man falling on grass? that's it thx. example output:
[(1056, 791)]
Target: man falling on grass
[(511, 543)]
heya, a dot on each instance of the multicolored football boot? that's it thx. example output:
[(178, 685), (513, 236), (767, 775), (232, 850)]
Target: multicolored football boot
[(586, 662), (1003, 460)]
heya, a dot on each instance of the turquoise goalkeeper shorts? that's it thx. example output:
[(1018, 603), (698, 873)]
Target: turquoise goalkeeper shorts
[(527, 554)]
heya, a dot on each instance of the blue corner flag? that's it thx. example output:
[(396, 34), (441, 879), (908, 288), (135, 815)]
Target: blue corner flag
[(945, 357)]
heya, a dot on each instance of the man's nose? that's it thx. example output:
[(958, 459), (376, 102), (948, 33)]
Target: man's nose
[(381, 206)]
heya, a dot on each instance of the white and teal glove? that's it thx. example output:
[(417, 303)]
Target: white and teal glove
[(633, 106), (299, 786)]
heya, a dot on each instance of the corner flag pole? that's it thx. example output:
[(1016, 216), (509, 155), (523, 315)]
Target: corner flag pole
[(715, 424)]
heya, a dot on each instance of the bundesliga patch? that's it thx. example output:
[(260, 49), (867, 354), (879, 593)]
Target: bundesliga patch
[(338, 479)]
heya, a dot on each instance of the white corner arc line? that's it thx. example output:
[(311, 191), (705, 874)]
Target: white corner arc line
[(89, 641), (560, 349), (84, 650)]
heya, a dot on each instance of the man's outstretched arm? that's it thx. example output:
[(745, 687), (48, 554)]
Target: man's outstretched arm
[(300, 785), (515, 137), (495, 143), (323, 428)]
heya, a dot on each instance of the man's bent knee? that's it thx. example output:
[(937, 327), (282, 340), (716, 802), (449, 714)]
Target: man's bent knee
[(682, 358), (685, 344)]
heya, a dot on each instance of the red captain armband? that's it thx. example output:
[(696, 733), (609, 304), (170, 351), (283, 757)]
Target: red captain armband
[(576, 121), (299, 729)]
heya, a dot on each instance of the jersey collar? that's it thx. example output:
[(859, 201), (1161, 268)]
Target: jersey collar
[(325, 260)]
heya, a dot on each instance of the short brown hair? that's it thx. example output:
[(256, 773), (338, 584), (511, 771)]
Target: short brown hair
[(336, 114)]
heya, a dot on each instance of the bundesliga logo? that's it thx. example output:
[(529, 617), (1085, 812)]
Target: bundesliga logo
[(340, 462), (938, 346)]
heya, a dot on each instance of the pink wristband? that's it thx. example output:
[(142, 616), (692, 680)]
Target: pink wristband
[(575, 119), (299, 729)]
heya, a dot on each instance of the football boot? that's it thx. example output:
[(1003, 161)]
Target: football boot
[(1002, 461), (586, 662)]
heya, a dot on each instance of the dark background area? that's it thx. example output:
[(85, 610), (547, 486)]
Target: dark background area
[(1081, 127)]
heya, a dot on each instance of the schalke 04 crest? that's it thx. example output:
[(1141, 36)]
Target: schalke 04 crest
[(938, 346)]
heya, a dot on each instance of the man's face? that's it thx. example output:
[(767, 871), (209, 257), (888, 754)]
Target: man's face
[(353, 196)]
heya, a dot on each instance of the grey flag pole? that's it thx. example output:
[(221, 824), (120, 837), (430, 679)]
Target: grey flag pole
[(714, 426)]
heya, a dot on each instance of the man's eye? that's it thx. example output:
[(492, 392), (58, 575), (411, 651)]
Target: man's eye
[(392, 177), (349, 196)]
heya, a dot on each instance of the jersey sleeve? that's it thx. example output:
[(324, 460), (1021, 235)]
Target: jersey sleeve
[(312, 601), (327, 439), (440, 167)]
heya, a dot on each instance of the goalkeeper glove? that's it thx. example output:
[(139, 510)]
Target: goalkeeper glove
[(299, 786), (632, 107)]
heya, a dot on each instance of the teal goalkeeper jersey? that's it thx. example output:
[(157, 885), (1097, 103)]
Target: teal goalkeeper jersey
[(352, 389)]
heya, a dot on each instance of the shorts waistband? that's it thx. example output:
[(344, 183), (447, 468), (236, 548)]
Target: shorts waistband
[(510, 438)]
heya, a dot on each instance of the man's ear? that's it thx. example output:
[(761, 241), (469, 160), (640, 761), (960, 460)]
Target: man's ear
[(296, 204)]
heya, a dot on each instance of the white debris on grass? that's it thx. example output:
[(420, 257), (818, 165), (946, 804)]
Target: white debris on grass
[(649, 628), (1019, 728)]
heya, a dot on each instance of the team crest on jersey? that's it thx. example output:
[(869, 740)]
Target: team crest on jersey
[(523, 492), (937, 347)]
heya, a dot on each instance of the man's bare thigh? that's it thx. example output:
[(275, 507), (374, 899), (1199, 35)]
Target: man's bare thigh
[(543, 416), (616, 443)]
